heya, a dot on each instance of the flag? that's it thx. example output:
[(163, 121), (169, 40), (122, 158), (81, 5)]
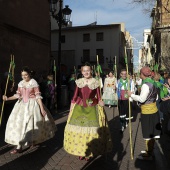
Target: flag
[(99, 69)]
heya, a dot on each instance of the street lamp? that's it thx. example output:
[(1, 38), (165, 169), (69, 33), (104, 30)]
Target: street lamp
[(62, 16)]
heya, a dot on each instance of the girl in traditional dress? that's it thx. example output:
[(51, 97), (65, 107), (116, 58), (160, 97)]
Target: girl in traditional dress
[(86, 133), (30, 122), (109, 90)]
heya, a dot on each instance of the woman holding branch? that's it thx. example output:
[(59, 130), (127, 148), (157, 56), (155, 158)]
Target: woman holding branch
[(30, 122), (86, 133)]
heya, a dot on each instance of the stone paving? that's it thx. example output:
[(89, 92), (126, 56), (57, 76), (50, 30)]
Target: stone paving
[(50, 155)]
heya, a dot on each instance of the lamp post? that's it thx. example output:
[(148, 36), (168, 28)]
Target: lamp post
[(62, 16)]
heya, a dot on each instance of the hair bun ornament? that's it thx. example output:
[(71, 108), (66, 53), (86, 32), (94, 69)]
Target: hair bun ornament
[(87, 64), (26, 68)]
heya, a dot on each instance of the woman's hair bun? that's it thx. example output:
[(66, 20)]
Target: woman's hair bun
[(27, 69), (87, 64)]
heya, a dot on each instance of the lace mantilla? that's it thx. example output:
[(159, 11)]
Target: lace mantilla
[(92, 85), (32, 83)]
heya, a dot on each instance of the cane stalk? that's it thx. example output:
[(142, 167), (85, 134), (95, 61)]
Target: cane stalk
[(6, 86), (130, 125)]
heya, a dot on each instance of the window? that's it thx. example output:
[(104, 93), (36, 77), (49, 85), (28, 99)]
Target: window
[(86, 55), (99, 52), (86, 37), (63, 39), (99, 36)]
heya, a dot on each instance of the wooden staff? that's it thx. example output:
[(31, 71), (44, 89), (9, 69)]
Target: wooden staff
[(130, 126), (75, 72), (55, 74), (98, 70), (55, 83), (9, 71), (13, 76), (115, 68), (105, 118)]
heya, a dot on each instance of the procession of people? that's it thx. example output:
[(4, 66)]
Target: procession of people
[(87, 132)]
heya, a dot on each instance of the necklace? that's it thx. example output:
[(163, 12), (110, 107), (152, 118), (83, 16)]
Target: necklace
[(87, 80)]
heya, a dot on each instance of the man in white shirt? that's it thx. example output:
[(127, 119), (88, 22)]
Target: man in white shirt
[(149, 112)]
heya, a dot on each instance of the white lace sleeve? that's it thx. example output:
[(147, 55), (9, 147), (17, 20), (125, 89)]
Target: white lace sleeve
[(34, 83)]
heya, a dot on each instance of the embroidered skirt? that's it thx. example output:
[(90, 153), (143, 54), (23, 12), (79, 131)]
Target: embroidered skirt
[(109, 96), (86, 132), (26, 125)]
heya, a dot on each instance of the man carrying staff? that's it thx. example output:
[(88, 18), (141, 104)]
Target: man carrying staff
[(123, 98), (150, 115)]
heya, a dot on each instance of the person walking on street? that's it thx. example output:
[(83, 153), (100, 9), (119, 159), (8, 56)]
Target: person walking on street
[(150, 120), (50, 93), (86, 133), (109, 90), (30, 122), (161, 94), (123, 99)]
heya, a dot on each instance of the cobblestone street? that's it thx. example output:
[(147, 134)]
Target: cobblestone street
[(50, 155)]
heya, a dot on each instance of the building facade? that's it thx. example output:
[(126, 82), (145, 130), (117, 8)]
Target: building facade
[(160, 37), (84, 43), (25, 32), (129, 51), (145, 52)]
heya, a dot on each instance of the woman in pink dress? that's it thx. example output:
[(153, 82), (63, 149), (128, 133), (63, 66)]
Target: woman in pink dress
[(30, 122)]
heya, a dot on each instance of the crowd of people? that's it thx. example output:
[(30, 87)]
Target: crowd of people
[(87, 133)]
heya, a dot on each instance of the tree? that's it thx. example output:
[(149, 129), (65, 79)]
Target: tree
[(147, 4)]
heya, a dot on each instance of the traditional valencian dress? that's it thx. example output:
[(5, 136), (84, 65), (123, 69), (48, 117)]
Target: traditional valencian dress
[(109, 93), (86, 133), (149, 115), (26, 125)]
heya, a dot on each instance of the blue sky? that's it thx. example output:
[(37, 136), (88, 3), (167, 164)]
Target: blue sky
[(108, 12)]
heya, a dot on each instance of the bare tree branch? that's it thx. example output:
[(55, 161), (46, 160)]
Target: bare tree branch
[(147, 5)]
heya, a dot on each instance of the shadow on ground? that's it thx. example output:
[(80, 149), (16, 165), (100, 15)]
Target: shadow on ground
[(40, 153)]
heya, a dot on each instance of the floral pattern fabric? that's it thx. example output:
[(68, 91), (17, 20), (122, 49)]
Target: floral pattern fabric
[(26, 125)]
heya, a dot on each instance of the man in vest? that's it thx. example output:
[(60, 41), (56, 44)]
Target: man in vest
[(149, 112), (123, 98)]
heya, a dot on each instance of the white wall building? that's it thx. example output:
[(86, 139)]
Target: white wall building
[(83, 43), (146, 50), (145, 56)]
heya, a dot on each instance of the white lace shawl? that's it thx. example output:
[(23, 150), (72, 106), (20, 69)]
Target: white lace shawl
[(32, 83), (93, 84)]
